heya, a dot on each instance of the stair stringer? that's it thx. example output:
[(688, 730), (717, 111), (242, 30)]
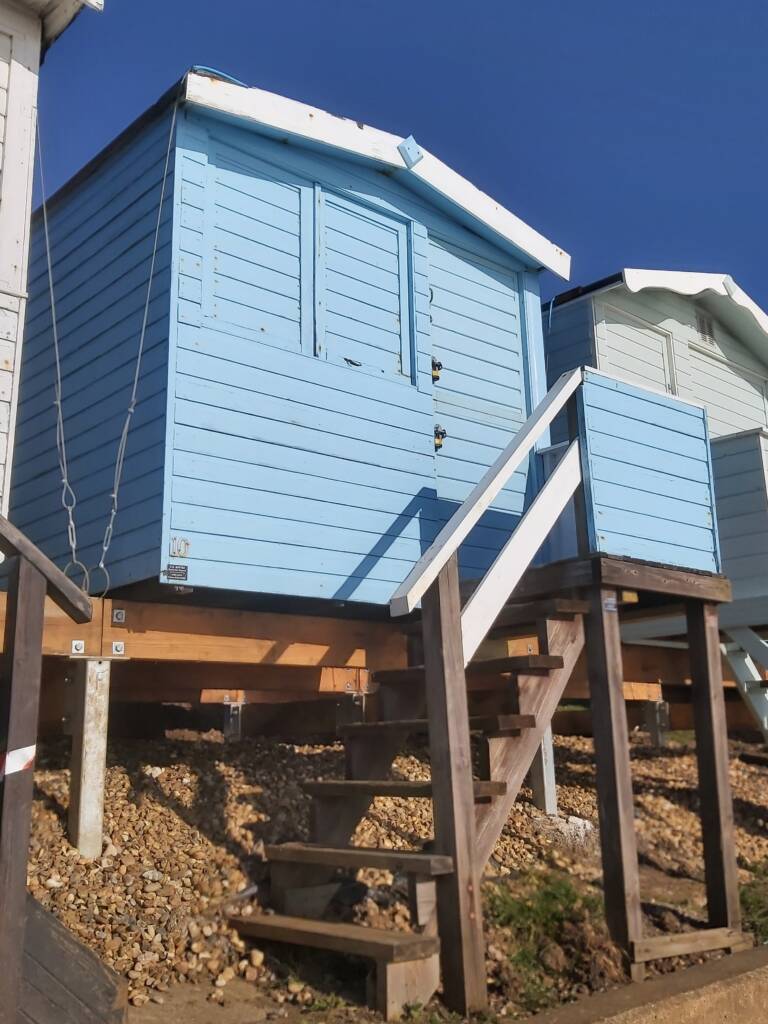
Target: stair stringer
[(512, 756)]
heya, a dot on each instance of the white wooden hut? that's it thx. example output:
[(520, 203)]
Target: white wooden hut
[(701, 337), (27, 29)]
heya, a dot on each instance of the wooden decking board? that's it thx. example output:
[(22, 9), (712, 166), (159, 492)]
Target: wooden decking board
[(390, 787), (405, 861), (374, 943), (520, 663), (414, 726)]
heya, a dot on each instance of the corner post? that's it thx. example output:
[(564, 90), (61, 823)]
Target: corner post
[(88, 763), (720, 870), (20, 699), (459, 908), (618, 843)]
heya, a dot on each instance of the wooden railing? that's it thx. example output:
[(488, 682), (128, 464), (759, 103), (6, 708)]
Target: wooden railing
[(490, 596), (30, 577)]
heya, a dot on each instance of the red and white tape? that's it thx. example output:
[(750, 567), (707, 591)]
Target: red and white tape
[(17, 760)]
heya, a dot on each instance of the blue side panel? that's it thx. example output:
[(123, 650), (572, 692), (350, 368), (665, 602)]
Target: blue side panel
[(481, 399), (301, 417), (102, 235), (648, 476)]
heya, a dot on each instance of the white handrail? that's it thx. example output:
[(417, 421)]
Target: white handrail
[(447, 542), (514, 558)]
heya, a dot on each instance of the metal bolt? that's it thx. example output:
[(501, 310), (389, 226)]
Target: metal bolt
[(118, 616), (78, 646), (118, 648)]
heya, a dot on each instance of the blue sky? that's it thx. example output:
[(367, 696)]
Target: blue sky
[(630, 134)]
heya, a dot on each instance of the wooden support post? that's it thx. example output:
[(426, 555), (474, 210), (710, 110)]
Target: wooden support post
[(20, 699), (88, 766), (621, 879), (712, 755), (459, 908), (542, 775)]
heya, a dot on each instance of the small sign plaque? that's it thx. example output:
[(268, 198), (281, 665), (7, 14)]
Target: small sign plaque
[(177, 572)]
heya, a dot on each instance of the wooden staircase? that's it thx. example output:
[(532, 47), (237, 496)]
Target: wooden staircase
[(525, 691)]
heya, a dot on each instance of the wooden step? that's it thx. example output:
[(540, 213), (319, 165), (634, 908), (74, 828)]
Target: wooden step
[(520, 664), (528, 613), (391, 787), (402, 861), (477, 723), (374, 943)]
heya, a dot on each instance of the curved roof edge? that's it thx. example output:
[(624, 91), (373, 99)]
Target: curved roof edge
[(414, 166), (718, 293)]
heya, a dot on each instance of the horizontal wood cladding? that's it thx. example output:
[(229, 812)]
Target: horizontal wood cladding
[(301, 454), (740, 465), (102, 237), (664, 512)]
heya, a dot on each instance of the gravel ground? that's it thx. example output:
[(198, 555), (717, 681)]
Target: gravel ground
[(186, 818)]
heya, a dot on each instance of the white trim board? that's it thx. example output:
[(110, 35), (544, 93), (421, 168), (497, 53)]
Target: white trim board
[(426, 173)]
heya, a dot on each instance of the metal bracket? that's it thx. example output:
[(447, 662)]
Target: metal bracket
[(78, 647), (118, 648), (410, 151), (118, 616)]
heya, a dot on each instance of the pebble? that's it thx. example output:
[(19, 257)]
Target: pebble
[(182, 816)]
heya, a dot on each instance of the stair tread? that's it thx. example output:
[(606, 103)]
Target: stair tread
[(391, 787), (405, 861), (477, 723), (494, 666), (374, 943), (528, 613)]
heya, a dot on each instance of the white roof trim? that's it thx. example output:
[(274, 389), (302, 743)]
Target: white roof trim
[(719, 293), (56, 15), (313, 125)]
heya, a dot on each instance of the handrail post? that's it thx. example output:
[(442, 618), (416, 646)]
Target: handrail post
[(20, 681), (459, 908)]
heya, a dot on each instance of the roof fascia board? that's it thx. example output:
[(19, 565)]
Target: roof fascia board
[(312, 125)]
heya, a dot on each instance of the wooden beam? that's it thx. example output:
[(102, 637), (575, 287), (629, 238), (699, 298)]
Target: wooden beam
[(67, 595), (720, 869), (511, 757), (21, 671), (459, 908), (686, 943), (618, 842), (163, 681), (187, 633), (60, 634), (622, 574)]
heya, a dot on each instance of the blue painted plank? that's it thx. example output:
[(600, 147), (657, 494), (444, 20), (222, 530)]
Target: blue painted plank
[(228, 398), (297, 436), (621, 496), (626, 428), (634, 453)]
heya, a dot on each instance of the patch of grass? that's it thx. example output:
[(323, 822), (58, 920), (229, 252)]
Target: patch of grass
[(754, 903), (542, 922), (542, 913)]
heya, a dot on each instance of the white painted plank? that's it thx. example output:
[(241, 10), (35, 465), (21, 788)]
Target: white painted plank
[(513, 560)]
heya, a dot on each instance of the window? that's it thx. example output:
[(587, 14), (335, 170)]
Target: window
[(362, 287)]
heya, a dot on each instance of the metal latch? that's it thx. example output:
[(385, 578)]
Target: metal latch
[(440, 435), (437, 366)]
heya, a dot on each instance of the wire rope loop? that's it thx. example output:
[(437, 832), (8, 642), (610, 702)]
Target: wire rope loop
[(107, 579), (75, 565)]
